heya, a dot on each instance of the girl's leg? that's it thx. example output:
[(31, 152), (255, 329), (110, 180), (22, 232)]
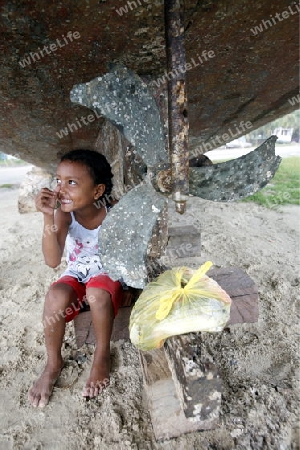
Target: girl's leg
[(58, 298), (102, 317)]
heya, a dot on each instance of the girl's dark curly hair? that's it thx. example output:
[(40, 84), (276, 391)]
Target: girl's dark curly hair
[(98, 168)]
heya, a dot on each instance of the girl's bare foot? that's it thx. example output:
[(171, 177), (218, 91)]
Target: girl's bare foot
[(99, 377), (42, 388)]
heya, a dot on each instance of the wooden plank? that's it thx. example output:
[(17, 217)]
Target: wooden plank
[(84, 332), (167, 417), (184, 241), (239, 286), (121, 324), (82, 326), (196, 378), (243, 292)]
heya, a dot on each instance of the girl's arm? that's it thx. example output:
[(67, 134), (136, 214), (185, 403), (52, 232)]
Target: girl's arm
[(55, 226), (54, 237)]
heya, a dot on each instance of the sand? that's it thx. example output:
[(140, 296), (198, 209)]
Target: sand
[(258, 362)]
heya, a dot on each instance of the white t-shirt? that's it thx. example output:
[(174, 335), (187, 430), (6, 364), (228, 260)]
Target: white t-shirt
[(82, 247)]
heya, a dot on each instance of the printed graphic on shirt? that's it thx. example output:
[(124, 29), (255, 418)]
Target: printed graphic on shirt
[(85, 246), (83, 252), (87, 266)]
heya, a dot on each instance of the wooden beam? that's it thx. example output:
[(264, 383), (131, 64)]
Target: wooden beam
[(84, 331), (196, 378), (184, 241), (189, 390), (167, 417), (243, 293)]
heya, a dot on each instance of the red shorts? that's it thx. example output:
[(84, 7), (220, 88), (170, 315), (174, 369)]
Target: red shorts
[(101, 281)]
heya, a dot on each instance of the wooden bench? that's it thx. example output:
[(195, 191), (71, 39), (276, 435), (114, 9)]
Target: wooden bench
[(182, 384)]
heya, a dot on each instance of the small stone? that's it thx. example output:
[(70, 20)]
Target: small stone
[(34, 181), (236, 432)]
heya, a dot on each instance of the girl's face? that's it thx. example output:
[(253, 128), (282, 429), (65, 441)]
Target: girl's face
[(76, 186)]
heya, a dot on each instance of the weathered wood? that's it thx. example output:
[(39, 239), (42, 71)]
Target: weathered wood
[(239, 286), (184, 241), (82, 327), (168, 419), (196, 378), (243, 292), (84, 331)]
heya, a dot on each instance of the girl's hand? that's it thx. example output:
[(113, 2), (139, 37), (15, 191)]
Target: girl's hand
[(45, 201)]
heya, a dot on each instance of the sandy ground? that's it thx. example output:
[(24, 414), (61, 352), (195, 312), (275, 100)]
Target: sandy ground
[(258, 362), (13, 175)]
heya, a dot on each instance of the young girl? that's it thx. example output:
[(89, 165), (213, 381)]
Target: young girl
[(84, 181)]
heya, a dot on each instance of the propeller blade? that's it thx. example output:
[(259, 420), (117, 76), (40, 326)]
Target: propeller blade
[(125, 100), (238, 178), (127, 232)]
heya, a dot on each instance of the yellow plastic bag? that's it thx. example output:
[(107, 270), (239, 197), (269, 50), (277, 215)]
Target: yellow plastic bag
[(179, 301)]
